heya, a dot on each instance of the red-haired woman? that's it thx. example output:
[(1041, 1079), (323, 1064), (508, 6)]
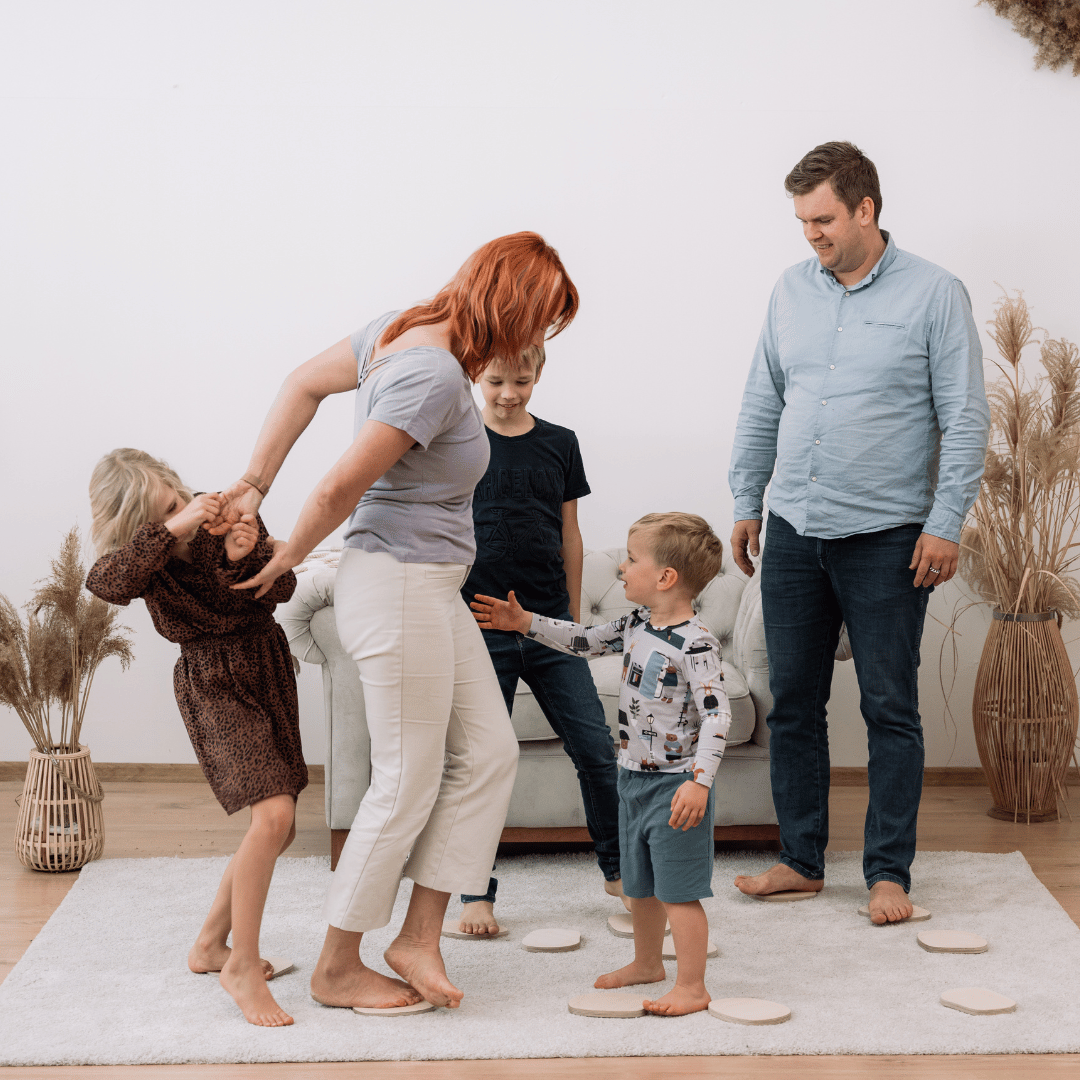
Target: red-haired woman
[(443, 753)]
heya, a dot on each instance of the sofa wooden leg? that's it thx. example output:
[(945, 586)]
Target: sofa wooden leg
[(337, 842)]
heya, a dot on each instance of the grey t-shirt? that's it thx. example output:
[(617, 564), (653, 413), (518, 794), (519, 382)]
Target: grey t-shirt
[(420, 509)]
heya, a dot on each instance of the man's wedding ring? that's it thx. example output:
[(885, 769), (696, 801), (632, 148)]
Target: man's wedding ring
[(934, 570)]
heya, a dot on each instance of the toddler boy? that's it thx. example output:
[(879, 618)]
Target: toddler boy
[(673, 720)]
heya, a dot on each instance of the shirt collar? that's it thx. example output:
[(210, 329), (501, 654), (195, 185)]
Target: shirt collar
[(879, 267)]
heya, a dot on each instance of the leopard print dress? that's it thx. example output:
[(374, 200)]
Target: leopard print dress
[(234, 680)]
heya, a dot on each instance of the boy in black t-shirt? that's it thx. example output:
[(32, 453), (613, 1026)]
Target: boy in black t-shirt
[(527, 539)]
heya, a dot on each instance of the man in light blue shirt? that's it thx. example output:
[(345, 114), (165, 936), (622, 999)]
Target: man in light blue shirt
[(866, 409)]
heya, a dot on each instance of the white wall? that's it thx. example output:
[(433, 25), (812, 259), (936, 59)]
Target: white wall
[(195, 197)]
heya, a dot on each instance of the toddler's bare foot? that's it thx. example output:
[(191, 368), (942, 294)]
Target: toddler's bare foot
[(213, 956), (779, 878), (478, 918), (631, 975), (679, 1001), (889, 903), (614, 888), (247, 985), (356, 984), (421, 966)]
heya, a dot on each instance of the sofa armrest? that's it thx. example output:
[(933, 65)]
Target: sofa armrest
[(314, 591), (750, 656)]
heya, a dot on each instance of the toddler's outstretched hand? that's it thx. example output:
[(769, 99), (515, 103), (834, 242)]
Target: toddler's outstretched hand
[(241, 538), (506, 614)]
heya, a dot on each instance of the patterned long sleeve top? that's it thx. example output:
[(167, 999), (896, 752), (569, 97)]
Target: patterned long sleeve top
[(673, 711), (189, 601)]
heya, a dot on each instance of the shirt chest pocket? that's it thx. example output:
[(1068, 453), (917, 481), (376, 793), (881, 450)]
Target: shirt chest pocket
[(874, 324)]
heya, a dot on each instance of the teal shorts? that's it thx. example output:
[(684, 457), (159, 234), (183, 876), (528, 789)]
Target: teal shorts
[(655, 859)]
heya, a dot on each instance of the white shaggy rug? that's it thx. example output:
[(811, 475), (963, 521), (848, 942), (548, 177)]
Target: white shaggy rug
[(105, 981)]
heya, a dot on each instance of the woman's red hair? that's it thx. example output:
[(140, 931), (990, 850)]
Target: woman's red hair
[(506, 292)]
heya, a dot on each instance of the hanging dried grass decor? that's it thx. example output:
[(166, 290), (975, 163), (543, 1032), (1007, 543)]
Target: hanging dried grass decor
[(1018, 553), (46, 664)]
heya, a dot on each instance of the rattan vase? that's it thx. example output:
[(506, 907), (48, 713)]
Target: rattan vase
[(1024, 713), (60, 824)]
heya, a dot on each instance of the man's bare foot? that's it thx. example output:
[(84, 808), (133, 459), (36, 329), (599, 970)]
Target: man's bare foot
[(247, 986), (614, 888), (779, 878), (889, 903), (678, 1002), (478, 918), (356, 984), (631, 975), (421, 966), (205, 958)]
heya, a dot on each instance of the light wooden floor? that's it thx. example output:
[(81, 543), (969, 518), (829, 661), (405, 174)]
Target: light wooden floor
[(145, 819)]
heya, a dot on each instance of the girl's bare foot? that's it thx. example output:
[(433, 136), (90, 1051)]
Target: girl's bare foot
[(889, 903), (679, 1001), (614, 888), (631, 975), (247, 986), (421, 966), (478, 918), (779, 878), (356, 984), (206, 957)]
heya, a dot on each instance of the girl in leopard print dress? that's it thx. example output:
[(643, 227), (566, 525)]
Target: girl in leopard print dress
[(234, 683)]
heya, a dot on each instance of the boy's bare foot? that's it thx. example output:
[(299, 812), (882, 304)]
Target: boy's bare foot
[(205, 958), (478, 918), (614, 888), (421, 966), (779, 878), (631, 975), (357, 984), (678, 1002), (247, 986), (889, 903)]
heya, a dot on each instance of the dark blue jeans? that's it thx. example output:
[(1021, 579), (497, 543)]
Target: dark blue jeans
[(563, 687), (809, 586)]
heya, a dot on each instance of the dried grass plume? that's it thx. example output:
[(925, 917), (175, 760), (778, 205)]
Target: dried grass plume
[(1052, 25)]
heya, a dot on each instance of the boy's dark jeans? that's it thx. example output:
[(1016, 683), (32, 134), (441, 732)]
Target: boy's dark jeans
[(809, 586), (564, 690)]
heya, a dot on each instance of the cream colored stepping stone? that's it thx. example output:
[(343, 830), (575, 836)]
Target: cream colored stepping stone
[(978, 1002), (622, 925), (957, 941), (450, 929), (613, 1005), (782, 898), (280, 965), (749, 1011), (918, 914), (669, 950), (397, 1010), (551, 940)]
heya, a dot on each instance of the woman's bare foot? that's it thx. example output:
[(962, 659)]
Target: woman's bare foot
[(614, 888), (247, 986), (356, 984), (631, 975), (421, 966), (779, 878), (679, 1001), (205, 958), (889, 903), (478, 918)]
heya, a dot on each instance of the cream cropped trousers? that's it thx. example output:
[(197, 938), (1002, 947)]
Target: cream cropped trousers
[(443, 753)]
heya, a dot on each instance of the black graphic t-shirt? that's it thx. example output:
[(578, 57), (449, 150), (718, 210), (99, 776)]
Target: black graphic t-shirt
[(517, 513)]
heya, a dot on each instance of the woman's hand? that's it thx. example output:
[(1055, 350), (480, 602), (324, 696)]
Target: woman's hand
[(237, 500), (184, 524), (278, 564), (506, 614), (241, 538)]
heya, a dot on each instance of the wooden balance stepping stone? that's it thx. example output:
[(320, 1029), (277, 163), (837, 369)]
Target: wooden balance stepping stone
[(954, 941), (279, 965), (978, 1002), (749, 1011), (397, 1010), (918, 914), (622, 925), (551, 940), (785, 897), (450, 929), (610, 1005), (669, 949)]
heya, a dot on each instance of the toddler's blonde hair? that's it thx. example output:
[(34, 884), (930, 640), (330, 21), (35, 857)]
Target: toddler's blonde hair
[(686, 543), (123, 487)]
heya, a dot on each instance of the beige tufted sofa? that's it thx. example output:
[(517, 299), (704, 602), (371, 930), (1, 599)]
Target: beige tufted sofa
[(546, 803)]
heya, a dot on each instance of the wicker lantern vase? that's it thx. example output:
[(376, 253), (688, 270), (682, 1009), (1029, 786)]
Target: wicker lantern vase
[(1024, 713), (60, 824)]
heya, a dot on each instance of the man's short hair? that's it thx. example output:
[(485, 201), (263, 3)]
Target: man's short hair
[(850, 173), (686, 543)]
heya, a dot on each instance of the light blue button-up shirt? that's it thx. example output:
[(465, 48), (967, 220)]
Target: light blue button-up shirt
[(868, 400)]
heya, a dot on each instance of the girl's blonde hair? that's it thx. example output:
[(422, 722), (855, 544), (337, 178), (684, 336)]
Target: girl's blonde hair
[(123, 487)]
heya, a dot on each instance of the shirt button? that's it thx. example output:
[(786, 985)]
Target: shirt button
[(824, 403), (840, 328), (817, 442), (847, 294), (832, 367), (813, 478)]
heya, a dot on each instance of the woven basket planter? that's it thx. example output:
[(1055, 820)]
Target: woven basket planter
[(60, 825), (1024, 713)]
